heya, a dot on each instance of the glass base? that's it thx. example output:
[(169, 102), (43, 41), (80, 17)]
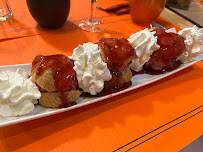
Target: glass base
[(4, 15), (92, 25)]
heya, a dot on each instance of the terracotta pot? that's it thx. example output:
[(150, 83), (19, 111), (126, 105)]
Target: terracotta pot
[(49, 13)]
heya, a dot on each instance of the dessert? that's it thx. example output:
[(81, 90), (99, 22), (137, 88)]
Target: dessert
[(18, 93), (56, 79), (118, 54), (95, 68)]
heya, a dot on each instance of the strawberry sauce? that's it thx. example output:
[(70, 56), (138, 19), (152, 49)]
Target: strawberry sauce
[(171, 46)]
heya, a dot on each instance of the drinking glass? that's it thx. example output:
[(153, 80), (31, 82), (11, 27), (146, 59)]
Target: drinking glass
[(146, 11), (5, 10), (92, 24)]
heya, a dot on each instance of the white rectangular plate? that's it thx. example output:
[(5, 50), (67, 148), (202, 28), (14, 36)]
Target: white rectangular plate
[(138, 81)]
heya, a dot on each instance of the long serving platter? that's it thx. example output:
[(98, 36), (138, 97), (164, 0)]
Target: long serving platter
[(138, 81)]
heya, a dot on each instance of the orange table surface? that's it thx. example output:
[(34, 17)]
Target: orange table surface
[(163, 116)]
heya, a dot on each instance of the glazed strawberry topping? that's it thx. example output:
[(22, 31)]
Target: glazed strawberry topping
[(171, 46), (118, 53)]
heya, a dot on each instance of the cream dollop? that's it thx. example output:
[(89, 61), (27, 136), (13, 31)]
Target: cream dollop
[(193, 39), (90, 70), (144, 43), (18, 93)]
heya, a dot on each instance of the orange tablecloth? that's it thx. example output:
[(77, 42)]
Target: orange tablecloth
[(163, 116)]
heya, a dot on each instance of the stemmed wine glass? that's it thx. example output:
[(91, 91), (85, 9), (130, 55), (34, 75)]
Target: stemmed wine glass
[(92, 24)]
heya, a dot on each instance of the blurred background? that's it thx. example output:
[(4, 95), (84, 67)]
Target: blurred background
[(191, 10)]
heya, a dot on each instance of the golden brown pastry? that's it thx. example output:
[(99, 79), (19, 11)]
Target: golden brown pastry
[(56, 79)]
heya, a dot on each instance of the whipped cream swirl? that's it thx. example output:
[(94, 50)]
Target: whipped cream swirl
[(18, 93), (144, 43), (90, 70), (193, 39)]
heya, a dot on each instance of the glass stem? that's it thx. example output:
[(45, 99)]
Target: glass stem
[(93, 10), (8, 6)]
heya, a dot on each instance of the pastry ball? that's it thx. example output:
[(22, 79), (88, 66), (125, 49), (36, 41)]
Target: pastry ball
[(117, 53)]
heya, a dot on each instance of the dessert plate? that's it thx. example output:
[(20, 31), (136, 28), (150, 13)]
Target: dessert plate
[(138, 81)]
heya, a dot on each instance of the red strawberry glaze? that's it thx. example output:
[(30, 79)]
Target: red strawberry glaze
[(171, 46)]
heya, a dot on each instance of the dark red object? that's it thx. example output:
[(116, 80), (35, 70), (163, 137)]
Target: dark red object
[(171, 46), (117, 9), (124, 10)]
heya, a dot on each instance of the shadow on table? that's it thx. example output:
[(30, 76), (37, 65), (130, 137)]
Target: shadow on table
[(60, 39), (114, 111), (67, 26)]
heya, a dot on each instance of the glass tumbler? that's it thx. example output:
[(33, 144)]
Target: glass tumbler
[(144, 12), (5, 10)]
